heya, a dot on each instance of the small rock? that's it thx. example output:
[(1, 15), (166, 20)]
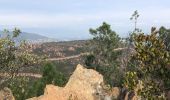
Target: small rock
[(6, 94), (115, 92)]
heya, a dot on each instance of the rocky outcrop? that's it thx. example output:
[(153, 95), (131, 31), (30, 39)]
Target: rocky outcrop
[(84, 84), (6, 94)]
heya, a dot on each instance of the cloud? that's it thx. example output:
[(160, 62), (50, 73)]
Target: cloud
[(48, 20), (82, 21)]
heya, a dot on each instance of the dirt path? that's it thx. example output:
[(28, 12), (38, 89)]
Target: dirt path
[(22, 74), (69, 57), (76, 56)]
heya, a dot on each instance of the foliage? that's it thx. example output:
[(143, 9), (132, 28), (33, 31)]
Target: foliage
[(135, 17), (50, 76), (165, 36), (24, 87), (102, 56), (20, 87), (103, 43), (131, 80), (152, 59), (14, 56), (89, 60)]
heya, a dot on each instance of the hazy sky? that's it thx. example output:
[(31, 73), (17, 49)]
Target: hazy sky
[(71, 19)]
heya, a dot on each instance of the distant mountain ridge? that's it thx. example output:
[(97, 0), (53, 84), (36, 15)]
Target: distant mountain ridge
[(30, 37)]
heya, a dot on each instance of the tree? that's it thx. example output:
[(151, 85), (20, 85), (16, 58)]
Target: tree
[(103, 44), (134, 17), (152, 72), (102, 56), (14, 56), (50, 76), (24, 88)]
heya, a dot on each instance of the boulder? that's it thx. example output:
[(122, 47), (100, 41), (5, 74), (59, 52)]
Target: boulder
[(84, 84)]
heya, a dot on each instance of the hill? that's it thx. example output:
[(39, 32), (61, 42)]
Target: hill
[(29, 37), (65, 55)]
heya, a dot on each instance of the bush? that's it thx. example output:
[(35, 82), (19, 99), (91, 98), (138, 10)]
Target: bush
[(152, 70), (24, 88), (50, 76)]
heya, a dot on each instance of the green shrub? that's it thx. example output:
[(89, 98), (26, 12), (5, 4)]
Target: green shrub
[(50, 76), (24, 88), (152, 70)]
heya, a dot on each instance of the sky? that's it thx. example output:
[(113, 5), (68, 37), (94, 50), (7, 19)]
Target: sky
[(71, 19)]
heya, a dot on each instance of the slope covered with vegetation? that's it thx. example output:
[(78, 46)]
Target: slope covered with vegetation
[(139, 63)]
